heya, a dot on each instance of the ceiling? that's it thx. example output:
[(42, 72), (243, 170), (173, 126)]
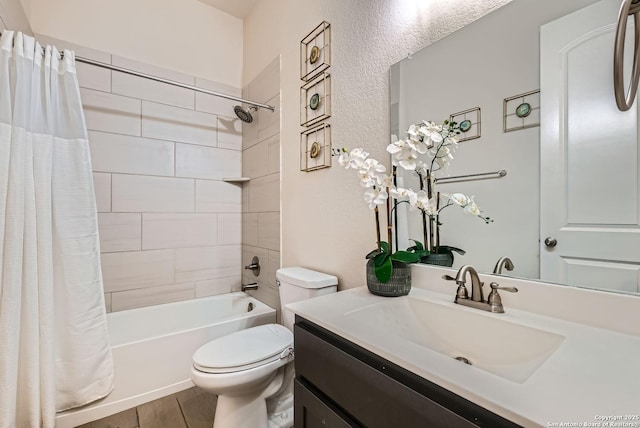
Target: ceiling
[(237, 8)]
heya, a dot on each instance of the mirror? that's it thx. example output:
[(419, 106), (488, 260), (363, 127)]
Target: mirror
[(573, 179)]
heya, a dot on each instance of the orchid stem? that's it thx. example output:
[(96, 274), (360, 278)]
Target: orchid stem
[(378, 227)]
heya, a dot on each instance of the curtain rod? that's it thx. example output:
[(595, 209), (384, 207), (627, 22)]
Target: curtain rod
[(499, 174), (170, 82)]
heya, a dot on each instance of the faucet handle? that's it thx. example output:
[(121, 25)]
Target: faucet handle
[(495, 286), (494, 300), (462, 292)]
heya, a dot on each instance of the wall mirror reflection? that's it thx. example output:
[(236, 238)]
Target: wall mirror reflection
[(567, 211)]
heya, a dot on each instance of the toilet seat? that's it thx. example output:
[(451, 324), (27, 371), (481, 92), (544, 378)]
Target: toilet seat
[(244, 349)]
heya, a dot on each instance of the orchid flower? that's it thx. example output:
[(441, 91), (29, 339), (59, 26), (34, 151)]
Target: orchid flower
[(375, 196)]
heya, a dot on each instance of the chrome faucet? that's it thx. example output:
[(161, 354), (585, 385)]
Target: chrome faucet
[(493, 302), (503, 262)]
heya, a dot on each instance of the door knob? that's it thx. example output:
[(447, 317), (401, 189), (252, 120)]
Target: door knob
[(550, 242)]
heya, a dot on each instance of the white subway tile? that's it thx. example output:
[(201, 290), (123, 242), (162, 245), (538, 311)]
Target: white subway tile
[(79, 50), (245, 197), (264, 194), (111, 113), (229, 229), (218, 196), (137, 269), (216, 105), (138, 87), (153, 70), (179, 230), (120, 232), (107, 301), (229, 133), (273, 162), (130, 155), (269, 121), (152, 296), (136, 193), (102, 185), (266, 84), (250, 229), (269, 230), (207, 162), (273, 265), (255, 161), (212, 287), (270, 296), (177, 124), (249, 134), (207, 262), (93, 77)]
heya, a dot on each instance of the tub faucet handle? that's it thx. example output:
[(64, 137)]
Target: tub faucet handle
[(254, 266)]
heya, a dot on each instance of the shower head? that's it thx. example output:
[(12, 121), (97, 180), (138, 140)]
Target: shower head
[(244, 114)]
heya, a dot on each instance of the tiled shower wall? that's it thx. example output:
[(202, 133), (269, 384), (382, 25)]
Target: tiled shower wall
[(170, 228), (261, 195)]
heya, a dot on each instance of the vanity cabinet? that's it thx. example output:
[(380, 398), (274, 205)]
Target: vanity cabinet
[(340, 384)]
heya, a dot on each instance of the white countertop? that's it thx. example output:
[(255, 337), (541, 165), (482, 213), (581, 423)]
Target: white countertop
[(592, 376)]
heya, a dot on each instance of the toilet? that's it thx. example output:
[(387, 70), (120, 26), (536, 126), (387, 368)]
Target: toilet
[(251, 371)]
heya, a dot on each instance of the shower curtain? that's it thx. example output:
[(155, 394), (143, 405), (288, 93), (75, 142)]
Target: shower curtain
[(54, 350)]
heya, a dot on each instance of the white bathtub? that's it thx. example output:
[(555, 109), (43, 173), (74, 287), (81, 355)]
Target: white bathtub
[(152, 348)]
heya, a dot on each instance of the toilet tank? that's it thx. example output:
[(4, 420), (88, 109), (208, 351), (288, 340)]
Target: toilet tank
[(297, 283)]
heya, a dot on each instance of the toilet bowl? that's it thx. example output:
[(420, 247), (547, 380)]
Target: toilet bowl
[(251, 370)]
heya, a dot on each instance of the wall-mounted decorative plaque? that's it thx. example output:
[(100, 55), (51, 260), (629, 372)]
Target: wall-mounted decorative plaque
[(469, 122), (521, 111), (315, 148), (315, 52), (315, 100)]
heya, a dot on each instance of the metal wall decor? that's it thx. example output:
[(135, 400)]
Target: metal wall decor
[(315, 100), (521, 111), (315, 148), (315, 52), (469, 122)]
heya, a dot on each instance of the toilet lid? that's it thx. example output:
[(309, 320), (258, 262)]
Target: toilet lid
[(243, 349)]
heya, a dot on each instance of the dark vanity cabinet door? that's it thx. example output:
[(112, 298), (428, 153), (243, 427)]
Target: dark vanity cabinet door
[(339, 384)]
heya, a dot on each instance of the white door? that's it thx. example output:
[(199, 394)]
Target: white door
[(589, 155)]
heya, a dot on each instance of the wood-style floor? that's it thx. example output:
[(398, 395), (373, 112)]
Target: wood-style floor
[(191, 408)]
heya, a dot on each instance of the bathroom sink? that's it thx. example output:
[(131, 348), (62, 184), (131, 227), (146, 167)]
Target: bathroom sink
[(486, 341)]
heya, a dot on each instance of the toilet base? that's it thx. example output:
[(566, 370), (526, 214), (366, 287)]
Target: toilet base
[(248, 410), (282, 415)]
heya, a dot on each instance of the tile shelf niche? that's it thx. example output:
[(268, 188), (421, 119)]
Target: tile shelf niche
[(235, 179)]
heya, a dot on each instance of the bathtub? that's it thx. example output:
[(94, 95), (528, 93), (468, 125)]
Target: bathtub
[(152, 348)]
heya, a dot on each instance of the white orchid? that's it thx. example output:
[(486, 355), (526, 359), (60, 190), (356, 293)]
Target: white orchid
[(472, 208), (404, 153), (375, 196), (370, 171), (428, 149), (459, 198), (400, 193), (353, 159)]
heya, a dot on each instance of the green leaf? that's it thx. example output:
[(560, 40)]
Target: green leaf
[(384, 246), (446, 249), (405, 256), (418, 245), (380, 259), (373, 253), (383, 272)]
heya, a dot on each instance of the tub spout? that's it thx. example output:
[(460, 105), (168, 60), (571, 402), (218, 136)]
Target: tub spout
[(251, 286)]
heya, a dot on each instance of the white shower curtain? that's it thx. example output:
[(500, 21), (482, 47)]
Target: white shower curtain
[(54, 349)]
